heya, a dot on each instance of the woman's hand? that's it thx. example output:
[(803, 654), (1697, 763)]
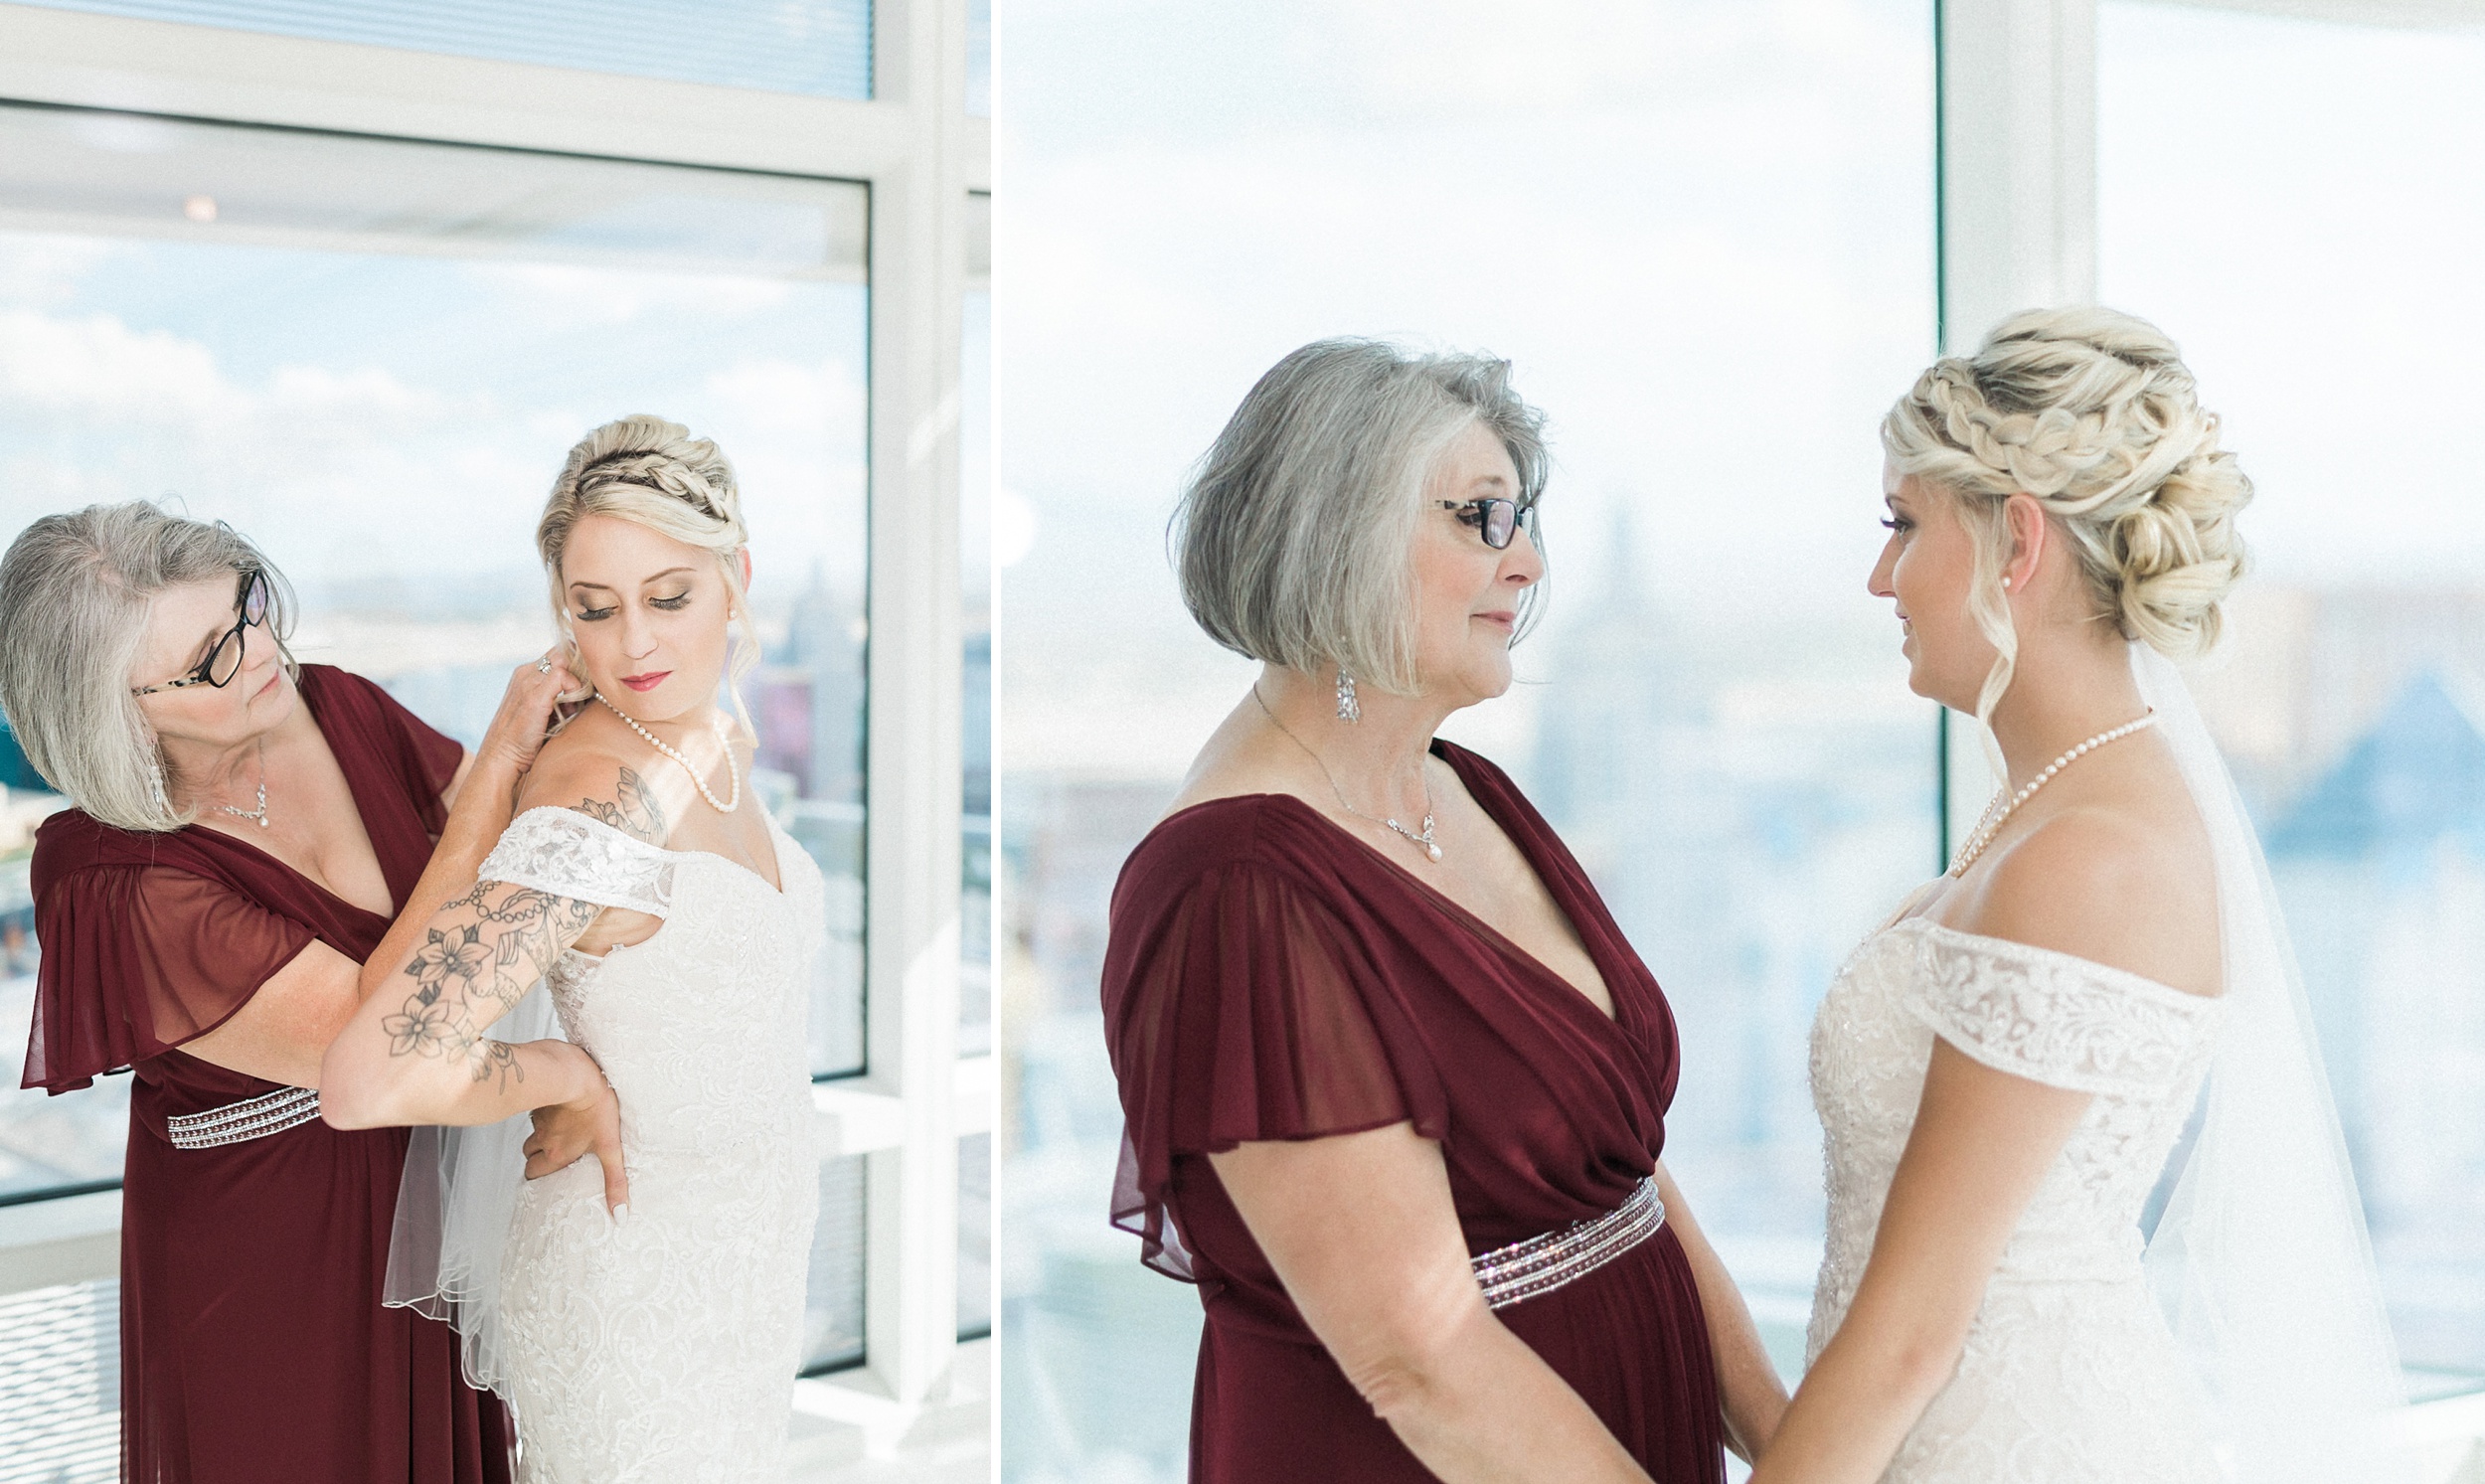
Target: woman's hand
[(1982, 1143), (1362, 1231), (565, 1133), (527, 710)]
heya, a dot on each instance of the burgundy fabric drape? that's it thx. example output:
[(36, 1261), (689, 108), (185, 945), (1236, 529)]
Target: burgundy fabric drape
[(253, 1345), (1268, 976)]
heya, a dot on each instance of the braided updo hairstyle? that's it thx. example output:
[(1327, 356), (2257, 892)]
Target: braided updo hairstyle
[(653, 474), (2094, 415)]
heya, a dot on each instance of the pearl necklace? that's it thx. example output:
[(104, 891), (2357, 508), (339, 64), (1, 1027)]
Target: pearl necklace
[(722, 806), (1423, 837), (1990, 824)]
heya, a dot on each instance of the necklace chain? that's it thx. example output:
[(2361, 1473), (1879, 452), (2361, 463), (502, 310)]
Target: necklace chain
[(1423, 837), (731, 768), (1990, 823), (258, 816)]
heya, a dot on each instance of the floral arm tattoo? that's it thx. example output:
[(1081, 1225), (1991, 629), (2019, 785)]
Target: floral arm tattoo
[(486, 949), (634, 809), (497, 942)]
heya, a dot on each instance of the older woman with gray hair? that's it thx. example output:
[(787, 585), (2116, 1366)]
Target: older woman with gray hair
[(244, 830), (1395, 1084)]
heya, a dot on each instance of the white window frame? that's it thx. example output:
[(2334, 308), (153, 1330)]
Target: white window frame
[(2018, 87), (918, 151)]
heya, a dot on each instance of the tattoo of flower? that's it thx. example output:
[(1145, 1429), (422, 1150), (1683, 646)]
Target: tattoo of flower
[(635, 810), (424, 1027), (497, 1059), (457, 953)]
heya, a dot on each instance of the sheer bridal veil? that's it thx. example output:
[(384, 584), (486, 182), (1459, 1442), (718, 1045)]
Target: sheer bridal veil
[(453, 1209), (2260, 1260)]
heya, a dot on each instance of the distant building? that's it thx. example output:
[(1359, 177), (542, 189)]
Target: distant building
[(808, 698), (2381, 867), (1746, 812)]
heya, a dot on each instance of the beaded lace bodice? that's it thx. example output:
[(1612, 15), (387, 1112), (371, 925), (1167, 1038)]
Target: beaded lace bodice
[(664, 1347), (2068, 1373)]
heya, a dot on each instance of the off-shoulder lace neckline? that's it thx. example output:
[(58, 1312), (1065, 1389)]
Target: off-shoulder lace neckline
[(776, 846), (2003, 947)]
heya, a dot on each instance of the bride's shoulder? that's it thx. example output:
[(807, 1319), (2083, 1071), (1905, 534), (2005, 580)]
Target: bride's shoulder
[(590, 767), (2108, 886)]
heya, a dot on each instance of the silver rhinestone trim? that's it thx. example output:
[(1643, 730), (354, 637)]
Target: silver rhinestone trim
[(234, 1123), (1541, 1264)]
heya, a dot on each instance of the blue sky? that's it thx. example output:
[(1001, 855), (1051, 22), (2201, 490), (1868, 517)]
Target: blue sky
[(391, 423)]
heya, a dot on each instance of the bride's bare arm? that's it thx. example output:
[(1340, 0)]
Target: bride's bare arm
[(1360, 1229), (1747, 1384), (416, 1051), (2085, 884), (1982, 1142)]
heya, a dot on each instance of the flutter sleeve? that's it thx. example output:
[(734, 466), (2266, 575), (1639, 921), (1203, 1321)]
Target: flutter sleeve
[(138, 960), (1245, 1008), (571, 854), (2059, 1020), (425, 756)]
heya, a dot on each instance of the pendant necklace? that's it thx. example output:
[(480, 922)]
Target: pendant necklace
[(1423, 837), (1991, 824), (722, 806), (258, 816)]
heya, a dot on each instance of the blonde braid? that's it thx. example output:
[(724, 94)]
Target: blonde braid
[(652, 472), (2093, 413)]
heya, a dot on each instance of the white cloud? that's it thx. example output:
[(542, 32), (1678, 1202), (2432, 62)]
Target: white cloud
[(95, 365), (363, 391), (94, 368), (40, 269), (570, 296), (781, 395), (341, 469)]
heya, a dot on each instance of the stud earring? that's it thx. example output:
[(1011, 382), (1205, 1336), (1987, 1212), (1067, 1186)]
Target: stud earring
[(1348, 708)]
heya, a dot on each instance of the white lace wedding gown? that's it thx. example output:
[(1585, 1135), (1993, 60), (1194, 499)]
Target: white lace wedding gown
[(2069, 1374), (664, 1348)]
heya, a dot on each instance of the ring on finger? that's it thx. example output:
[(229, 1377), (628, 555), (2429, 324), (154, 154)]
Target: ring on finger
[(544, 666)]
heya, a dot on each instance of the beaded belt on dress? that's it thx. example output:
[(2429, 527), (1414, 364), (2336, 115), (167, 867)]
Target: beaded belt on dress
[(286, 1107), (1541, 1264)]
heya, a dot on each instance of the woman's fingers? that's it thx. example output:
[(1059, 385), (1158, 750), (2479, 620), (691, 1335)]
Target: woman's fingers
[(527, 708), (563, 1135), (594, 1121), (616, 1179)]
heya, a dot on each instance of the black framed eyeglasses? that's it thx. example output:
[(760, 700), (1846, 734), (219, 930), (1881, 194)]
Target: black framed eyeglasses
[(224, 662), (1496, 520)]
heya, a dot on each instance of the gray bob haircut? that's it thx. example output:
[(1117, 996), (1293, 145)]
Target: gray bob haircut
[(1294, 538), (75, 592)]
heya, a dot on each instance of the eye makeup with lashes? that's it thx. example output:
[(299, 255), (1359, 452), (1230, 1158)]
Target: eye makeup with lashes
[(673, 605)]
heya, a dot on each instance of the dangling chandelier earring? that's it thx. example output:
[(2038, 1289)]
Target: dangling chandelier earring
[(1348, 708)]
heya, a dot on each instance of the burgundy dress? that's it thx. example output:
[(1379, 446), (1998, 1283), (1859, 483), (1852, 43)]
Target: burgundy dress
[(253, 1345), (1269, 976)]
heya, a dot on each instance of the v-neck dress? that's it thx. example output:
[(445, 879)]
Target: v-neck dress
[(254, 1344), (1269, 976)]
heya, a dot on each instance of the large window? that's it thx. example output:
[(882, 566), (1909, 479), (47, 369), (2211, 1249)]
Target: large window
[(1704, 236), (2297, 202), (822, 48), (371, 357), (364, 323)]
